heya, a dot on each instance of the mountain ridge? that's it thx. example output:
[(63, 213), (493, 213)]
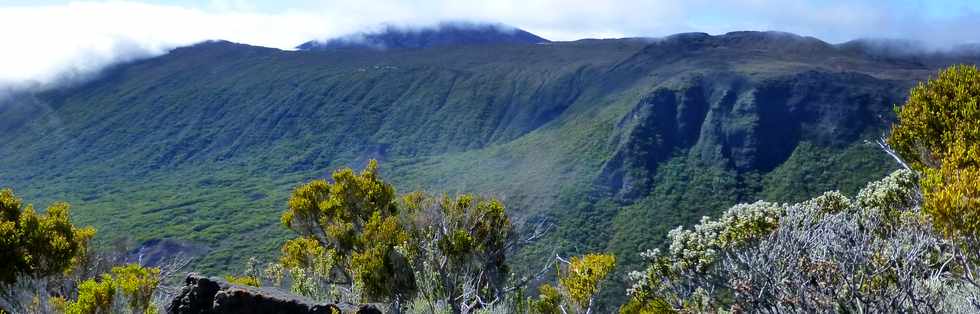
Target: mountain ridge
[(614, 141), (443, 34)]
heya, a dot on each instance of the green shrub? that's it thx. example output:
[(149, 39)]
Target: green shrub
[(938, 134), (579, 280), (348, 230), (584, 277), (548, 301), (38, 245), (129, 287), (457, 242), (243, 280)]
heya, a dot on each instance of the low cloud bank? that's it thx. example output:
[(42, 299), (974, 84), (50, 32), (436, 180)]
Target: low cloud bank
[(51, 45)]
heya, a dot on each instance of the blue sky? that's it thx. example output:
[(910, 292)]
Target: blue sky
[(831, 20), (53, 39), (938, 8)]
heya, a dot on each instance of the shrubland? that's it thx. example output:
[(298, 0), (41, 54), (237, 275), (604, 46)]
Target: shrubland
[(48, 267), (356, 241), (203, 145), (905, 243)]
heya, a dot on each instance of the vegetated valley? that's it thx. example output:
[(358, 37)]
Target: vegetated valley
[(612, 143)]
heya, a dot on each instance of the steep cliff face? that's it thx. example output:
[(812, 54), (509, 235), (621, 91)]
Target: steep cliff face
[(744, 124)]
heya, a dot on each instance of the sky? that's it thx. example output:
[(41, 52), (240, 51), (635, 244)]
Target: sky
[(44, 42)]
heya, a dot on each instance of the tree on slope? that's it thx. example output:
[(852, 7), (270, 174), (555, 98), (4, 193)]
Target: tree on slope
[(46, 266), (458, 248), (38, 245), (348, 232), (421, 253), (579, 280), (938, 133)]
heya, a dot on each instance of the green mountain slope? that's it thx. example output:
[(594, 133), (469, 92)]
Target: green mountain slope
[(615, 141)]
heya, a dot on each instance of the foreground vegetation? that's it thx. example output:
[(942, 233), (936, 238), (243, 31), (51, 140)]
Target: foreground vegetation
[(907, 243), (357, 241), (48, 266)]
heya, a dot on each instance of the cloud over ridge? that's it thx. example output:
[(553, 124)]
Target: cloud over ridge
[(43, 45)]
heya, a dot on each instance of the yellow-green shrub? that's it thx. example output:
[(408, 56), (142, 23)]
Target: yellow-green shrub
[(578, 283), (347, 233), (938, 113), (305, 252), (94, 296), (378, 268), (938, 133), (38, 245), (548, 302), (131, 284), (243, 280), (584, 277)]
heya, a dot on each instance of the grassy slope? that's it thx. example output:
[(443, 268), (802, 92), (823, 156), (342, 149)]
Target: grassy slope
[(205, 143), (218, 145)]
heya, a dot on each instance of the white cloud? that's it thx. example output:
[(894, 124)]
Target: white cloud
[(48, 43)]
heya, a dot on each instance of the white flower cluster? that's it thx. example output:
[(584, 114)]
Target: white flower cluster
[(698, 248), (872, 253), (832, 202), (896, 191)]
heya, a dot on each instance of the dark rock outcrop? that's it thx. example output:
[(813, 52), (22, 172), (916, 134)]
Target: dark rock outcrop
[(210, 295), (743, 123), (368, 309)]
